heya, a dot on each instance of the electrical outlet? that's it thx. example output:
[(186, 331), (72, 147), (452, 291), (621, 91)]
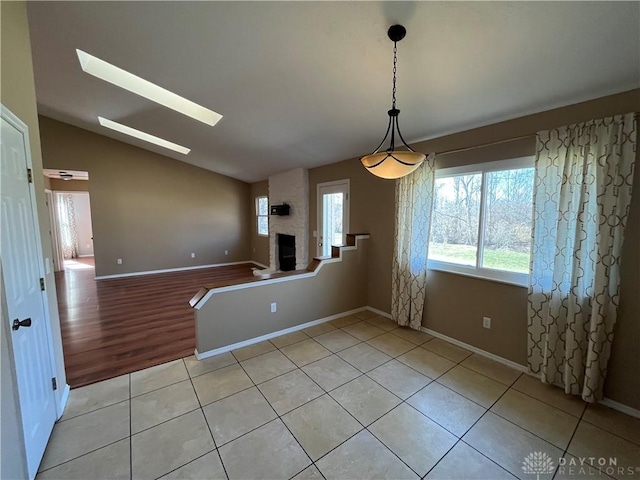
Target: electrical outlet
[(274, 307), (486, 322), (119, 261), (193, 255), (226, 252)]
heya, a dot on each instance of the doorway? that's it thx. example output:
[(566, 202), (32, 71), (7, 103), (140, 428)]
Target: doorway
[(70, 216), (333, 215)]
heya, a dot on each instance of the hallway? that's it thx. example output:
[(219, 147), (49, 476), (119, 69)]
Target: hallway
[(117, 326)]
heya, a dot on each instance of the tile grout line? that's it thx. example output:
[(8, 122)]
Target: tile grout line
[(328, 392), (389, 448), (325, 392), (385, 388), (402, 401), (364, 427), (478, 419), (80, 456), (460, 439), (566, 450), (382, 386), (582, 419), (460, 363), (206, 420), (92, 411), (277, 414)]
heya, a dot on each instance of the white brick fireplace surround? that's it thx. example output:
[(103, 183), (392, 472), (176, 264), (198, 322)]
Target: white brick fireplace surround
[(291, 187)]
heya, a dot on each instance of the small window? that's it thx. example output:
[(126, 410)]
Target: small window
[(262, 214), (481, 222)]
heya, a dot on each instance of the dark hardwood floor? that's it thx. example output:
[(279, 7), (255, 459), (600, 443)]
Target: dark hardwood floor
[(118, 326)]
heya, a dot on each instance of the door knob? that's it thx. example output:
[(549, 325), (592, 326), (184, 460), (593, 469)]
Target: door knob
[(24, 323)]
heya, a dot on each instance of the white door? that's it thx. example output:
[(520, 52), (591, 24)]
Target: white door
[(333, 215), (22, 270)]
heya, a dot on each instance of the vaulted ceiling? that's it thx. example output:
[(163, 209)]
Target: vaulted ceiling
[(303, 84)]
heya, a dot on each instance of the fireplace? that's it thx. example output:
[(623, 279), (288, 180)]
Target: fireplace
[(286, 252)]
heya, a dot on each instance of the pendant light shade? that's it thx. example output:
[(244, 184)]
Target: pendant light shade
[(392, 163)]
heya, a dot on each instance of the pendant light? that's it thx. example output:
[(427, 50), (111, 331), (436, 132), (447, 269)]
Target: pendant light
[(392, 163)]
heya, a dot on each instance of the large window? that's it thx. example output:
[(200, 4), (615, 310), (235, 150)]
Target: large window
[(481, 222), (262, 214)]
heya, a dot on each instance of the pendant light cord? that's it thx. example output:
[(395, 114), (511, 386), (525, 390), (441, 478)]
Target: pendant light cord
[(395, 62)]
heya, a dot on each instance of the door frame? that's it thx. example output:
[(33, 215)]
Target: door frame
[(63, 390), (58, 263), (57, 247), (319, 205)]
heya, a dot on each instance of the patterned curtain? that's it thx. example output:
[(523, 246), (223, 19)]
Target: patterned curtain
[(68, 230), (584, 175), (414, 201)]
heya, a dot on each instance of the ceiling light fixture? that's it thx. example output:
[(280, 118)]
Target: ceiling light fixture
[(392, 163), (133, 83), (118, 127)]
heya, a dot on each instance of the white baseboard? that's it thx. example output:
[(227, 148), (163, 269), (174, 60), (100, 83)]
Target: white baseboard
[(169, 270), (621, 407), (516, 366), (379, 312), (269, 336), (479, 351), (63, 400), (484, 353), (607, 402), (259, 264), (86, 256)]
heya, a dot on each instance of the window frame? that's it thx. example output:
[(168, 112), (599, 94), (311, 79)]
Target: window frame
[(477, 271), (258, 216)]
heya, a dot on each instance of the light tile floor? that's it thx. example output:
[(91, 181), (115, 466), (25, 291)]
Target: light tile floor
[(356, 398)]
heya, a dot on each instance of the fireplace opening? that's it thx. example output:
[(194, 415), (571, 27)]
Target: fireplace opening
[(286, 252)]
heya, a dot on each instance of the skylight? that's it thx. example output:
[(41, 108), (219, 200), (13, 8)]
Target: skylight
[(118, 127), (129, 81)]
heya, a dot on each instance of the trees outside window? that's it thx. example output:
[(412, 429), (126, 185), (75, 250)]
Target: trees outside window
[(262, 215), (481, 223)]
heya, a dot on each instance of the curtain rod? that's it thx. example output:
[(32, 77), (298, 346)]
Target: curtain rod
[(497, 142)]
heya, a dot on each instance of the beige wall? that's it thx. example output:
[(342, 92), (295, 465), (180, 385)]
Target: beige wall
[(59, 185), (456, 304), (231, 317), (148, 209), (259, 243), (17, 93), (371, 211)]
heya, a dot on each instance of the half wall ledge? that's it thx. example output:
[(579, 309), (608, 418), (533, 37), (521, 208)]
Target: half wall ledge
[(228, 313)]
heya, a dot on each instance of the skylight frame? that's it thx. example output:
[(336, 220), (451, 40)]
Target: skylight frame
[(128, 81), (147, 137)]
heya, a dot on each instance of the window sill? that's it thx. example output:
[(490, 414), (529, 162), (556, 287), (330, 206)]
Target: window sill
[(266, 235), (507, 278)]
